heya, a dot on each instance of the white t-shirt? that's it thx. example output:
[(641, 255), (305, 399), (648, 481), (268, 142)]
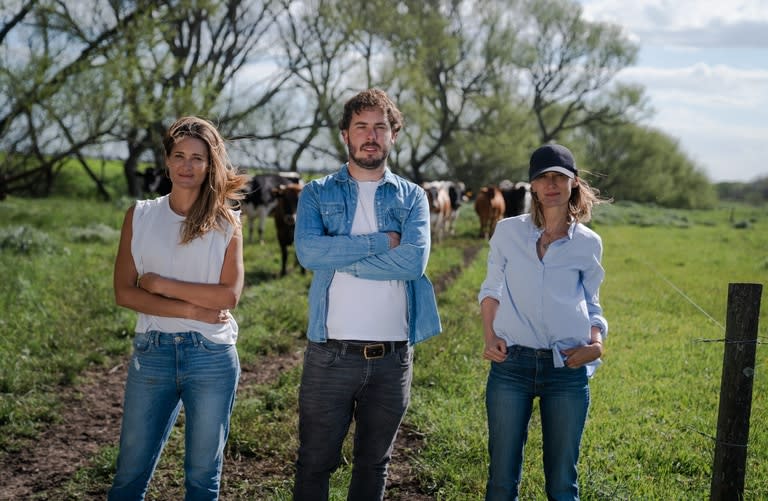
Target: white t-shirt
[(362, 309), (155, 247)]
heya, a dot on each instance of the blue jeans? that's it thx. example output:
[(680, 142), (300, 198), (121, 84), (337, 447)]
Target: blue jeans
[(166, 371), (563, 403), (335, 387)]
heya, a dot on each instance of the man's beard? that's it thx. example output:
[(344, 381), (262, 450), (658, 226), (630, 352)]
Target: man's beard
[(368, 162)]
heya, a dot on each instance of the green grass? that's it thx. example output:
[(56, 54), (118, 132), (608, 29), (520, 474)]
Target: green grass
[(655, 400), (654, 410)]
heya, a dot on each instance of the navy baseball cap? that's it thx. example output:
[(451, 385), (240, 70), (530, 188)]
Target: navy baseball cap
[(552, 157)]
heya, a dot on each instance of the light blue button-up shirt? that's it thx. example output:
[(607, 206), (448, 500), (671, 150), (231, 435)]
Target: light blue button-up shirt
[(324, 245), (548, 303)]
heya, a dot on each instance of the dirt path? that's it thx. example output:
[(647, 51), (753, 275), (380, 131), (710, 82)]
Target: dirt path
[(90, 420)]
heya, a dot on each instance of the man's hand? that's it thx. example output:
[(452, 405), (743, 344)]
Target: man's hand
[(394, 239)]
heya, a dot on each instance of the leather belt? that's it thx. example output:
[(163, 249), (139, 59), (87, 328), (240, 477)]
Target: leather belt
[(367, 349)]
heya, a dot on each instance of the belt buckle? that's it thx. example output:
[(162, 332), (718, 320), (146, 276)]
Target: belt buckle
[(373, 351)]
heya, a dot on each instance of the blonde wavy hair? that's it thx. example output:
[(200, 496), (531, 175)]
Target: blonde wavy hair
[(224, 187)]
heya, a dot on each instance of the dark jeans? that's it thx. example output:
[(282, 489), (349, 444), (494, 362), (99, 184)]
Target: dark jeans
[(337, 386)]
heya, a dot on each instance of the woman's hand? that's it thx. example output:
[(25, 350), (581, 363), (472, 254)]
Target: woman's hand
[(495, 348), (209, 316), (150, 282), (581, 355)]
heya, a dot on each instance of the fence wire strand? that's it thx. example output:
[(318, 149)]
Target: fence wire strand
[(683, 294)]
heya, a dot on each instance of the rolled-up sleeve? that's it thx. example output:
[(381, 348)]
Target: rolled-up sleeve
[(493, 285), (592, 277)]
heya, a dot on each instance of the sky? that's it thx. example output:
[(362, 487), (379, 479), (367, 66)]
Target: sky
[(704, 67)]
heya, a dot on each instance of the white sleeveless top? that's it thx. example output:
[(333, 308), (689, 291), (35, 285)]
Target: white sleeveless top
[(155, 247)]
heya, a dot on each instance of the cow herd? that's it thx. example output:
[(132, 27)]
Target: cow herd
[(278, 195), (492, 203)]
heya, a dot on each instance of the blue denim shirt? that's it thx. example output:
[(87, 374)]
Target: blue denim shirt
[(324, 245)]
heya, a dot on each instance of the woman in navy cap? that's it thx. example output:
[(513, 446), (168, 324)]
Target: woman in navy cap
[(543, 326)]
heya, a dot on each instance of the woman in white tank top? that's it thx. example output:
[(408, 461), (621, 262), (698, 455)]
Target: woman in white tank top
[(180, 267)]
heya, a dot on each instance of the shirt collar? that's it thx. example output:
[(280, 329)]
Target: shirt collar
[(536, 232), (344, 176)]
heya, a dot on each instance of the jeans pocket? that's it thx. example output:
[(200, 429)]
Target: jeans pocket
[(320, 356), (212, 347), (142, 342)]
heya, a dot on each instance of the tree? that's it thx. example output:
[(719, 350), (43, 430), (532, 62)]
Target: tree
[(15, 16), (181, 65), (754, 192), (439, 59), (497, 149), (49, 114), (316, 44), (481, 84), (570, 64), (153, 61), (632, 162)]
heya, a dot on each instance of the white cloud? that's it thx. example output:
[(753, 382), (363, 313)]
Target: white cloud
[(703, 66), (687, 23), (719, 114), (705, 85)]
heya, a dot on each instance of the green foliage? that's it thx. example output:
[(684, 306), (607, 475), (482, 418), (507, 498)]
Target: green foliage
[(754, 192), (571, 63), (25, 240), (481, 84), (640, 164), (71, 181), (497, 147)]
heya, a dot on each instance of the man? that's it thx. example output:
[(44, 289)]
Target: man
[(364, 232)]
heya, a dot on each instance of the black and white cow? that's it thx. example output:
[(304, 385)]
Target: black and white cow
[(445, 199), (440, 208), (457, 192), (260, 199), (154, 180), (517, 197)]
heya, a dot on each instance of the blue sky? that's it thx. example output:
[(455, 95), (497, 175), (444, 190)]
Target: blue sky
[(704, 65)]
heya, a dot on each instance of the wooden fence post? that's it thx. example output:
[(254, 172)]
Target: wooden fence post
[(741, 325)]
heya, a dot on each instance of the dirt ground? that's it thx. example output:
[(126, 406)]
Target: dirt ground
[(90, 420)]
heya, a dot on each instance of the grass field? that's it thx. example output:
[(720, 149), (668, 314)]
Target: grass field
[(652, 423)]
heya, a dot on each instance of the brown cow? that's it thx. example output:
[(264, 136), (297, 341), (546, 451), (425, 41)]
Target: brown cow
[(287, 197), (489, 206)]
